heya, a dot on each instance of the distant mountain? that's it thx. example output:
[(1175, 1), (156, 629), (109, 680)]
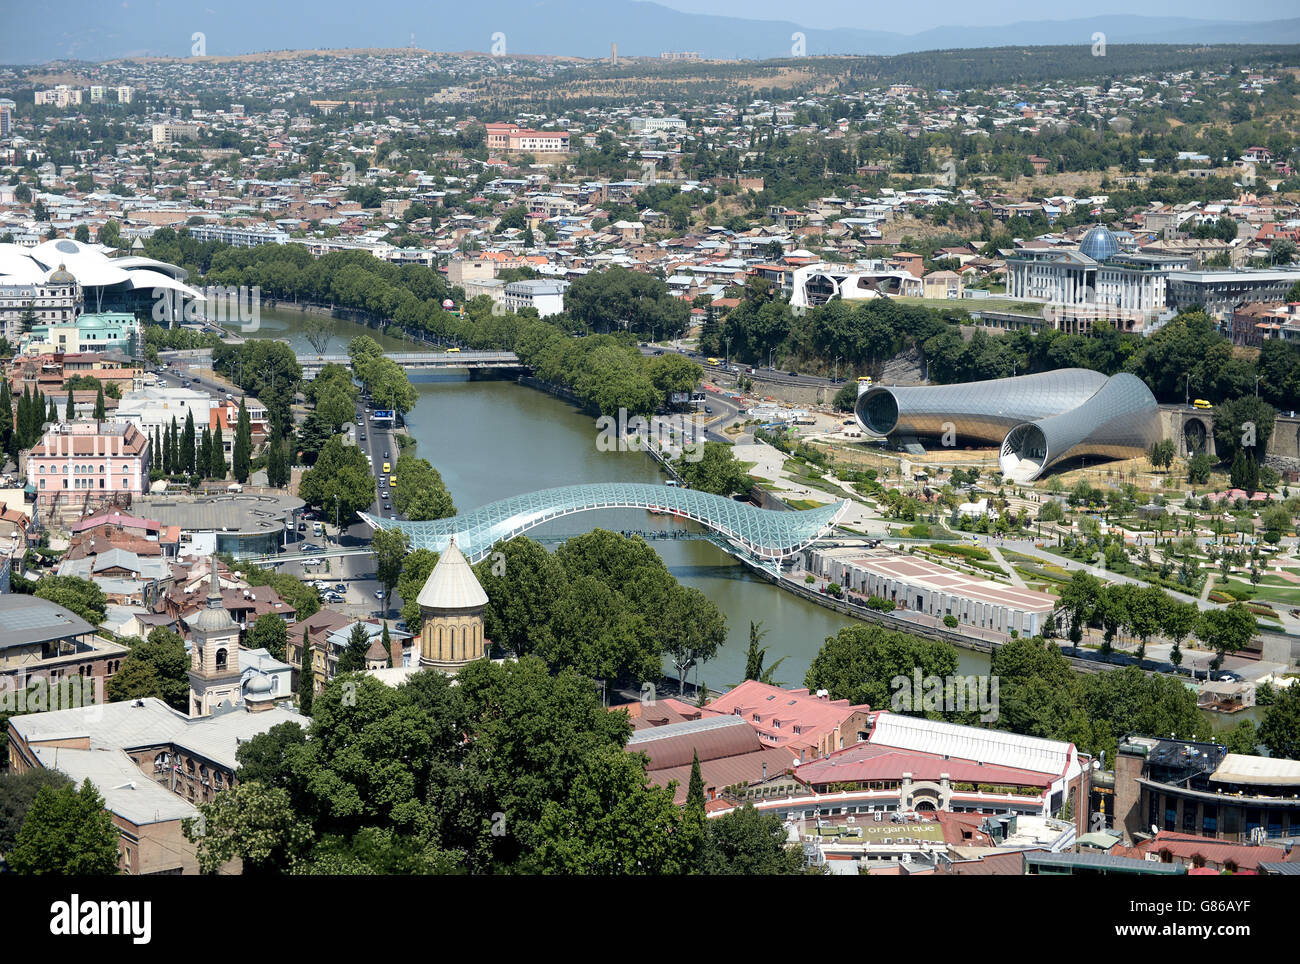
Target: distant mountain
[(94, 30)]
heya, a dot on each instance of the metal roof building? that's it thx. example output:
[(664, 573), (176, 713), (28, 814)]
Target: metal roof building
[(1038, 420)]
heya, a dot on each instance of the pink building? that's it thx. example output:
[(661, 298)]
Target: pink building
[(795, 719), (84, 462)]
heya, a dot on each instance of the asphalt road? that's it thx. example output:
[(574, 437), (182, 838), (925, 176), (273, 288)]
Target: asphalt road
[(773, 375)]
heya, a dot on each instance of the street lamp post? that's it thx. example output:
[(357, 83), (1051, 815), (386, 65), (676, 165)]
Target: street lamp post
[(336, 519), (1187, 391)]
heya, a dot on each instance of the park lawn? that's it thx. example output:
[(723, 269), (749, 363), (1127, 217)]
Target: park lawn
[(1011, 305), (1285, 596), (803, 504)]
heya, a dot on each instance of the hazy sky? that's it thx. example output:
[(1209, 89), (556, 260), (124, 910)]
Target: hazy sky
[(938, 13)]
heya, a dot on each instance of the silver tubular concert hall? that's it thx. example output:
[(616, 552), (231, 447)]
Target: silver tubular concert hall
[(1121, 421), (975, 411), (1037, 420)]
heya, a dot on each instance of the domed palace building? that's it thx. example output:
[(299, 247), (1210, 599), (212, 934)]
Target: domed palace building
[(451, 610), (1095, 281)]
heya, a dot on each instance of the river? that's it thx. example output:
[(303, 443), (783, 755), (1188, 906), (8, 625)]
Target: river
[(494, 439)]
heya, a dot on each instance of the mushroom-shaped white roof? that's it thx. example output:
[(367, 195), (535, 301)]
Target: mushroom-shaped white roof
[(17, 266), (452, 584)]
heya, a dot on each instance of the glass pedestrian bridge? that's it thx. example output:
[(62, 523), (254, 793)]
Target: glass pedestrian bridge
[(767, 534)]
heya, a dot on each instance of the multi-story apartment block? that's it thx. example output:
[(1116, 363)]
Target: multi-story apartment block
[(546, 296), (60, 96), (237, 235), (164, 134)]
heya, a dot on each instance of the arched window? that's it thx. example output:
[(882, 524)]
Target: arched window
[(221, 659)]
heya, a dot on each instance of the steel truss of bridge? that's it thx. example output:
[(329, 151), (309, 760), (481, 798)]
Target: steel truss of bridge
[(765, 534)]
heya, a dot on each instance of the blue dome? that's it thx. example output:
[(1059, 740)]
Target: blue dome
[(1099, 244)]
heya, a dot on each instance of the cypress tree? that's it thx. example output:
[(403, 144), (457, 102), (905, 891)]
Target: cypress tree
[(694, 819), (187, 443), (306, 678), (204, 462), (277, 463), (6, 418), (388, 653), (99, 404), (167, 451), (52, 413), (218, 468), (176, 447), (69, 410), (242, 452)]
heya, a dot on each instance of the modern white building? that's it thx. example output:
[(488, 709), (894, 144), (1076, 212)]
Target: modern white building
[(915, 584), (815, 284), (237, 235), (154, 408), (546, 296), (640, 125)]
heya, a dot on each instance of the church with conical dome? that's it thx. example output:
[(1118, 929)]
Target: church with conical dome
[(214, 654), (451, 610)]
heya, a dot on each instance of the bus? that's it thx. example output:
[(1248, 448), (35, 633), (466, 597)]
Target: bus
[(1201, 403)]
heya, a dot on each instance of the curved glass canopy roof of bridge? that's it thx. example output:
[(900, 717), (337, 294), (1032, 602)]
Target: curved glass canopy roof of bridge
[(765, 533)]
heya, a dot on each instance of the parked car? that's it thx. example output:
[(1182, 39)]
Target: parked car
[(339, 587), (379, 594)]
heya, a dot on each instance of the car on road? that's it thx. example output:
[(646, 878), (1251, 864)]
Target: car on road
[(793, 373), (363, 436), (360, 423), (708, 410), (379, 594), (387, 506), (310, 547), (311, 562), (1228, 678), (659, 351)]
